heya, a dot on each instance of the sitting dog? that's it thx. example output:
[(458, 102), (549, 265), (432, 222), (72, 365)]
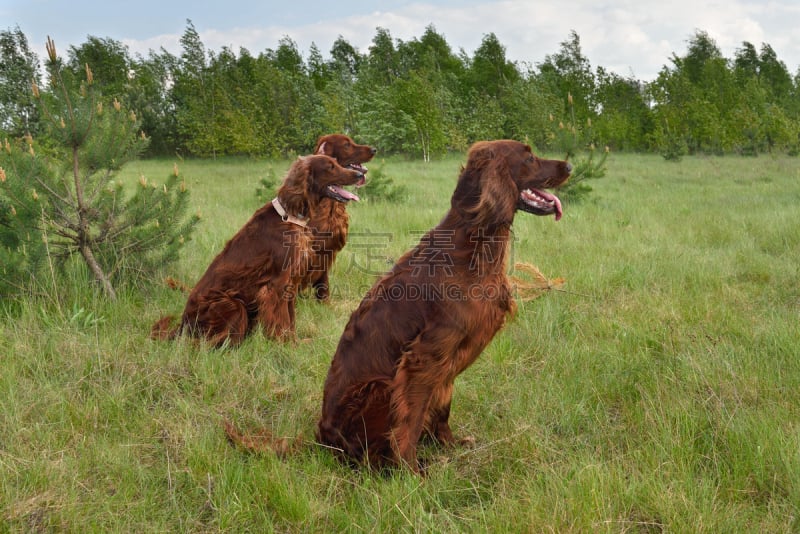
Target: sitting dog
[(431, 316), (256, 276), (329, 223)]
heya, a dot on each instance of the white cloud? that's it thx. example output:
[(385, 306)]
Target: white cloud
[(631, 36)]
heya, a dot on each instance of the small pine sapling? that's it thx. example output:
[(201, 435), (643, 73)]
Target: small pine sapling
[(578, 143), (59, 194)]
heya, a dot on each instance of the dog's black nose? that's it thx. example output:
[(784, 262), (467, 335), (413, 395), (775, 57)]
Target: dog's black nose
[(373, 150), (568, 168)]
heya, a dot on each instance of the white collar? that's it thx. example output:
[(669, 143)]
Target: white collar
[(286, 217)]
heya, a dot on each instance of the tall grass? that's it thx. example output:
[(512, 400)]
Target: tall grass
[(660, 391)]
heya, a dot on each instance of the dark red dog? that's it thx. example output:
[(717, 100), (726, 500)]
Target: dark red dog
[(430, 317), (256, 276), (330, 221)]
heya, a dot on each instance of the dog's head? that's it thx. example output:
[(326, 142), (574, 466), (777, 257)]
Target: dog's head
[(312, 178), (503, 176), (346, 151)]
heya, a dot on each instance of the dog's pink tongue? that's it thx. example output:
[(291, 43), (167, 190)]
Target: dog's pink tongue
[(554, 199), (344, 193), (559, 211), (535, 194)]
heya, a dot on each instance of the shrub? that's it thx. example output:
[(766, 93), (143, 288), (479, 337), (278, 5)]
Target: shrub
[(59, 195)]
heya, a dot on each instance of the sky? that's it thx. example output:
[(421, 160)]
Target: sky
[(629, 37)]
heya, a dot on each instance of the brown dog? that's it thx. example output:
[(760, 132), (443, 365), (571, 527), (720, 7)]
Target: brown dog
[(330, 221), (430, 317), (255, 277)]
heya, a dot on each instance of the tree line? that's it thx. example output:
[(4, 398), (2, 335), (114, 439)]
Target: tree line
[(422, 98)]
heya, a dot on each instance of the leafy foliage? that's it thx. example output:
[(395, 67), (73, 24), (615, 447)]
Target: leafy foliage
[(22, 248), (61, 191), (419, 97), (267, 186), (707, 104), (18, 68), (577, 141), (381, 187)]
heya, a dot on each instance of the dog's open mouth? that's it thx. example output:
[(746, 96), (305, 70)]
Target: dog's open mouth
[(340, 194), (540, 202), (363, 170)]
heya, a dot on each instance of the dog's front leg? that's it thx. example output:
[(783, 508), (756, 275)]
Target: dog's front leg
[(276, 312), (418, 376), (436, 424)]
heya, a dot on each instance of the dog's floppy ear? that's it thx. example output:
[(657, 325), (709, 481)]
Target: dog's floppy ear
[(294, 190), (498, 200), (320, 148), (486, 192)]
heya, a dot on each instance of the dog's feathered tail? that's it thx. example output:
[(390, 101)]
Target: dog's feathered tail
[(163, 328), (261, 441)]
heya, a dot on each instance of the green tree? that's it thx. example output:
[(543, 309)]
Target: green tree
[(481, 117), (19, 68), (490, 72), (431, 54), (418, 99), (418, 96), (746, 62), (694, 100), (430, 62), (380, 119), (111, 65), (625, 121), (287, 57), (269, 90), (670, 93), (702, 52), (761, 115), (149, 96), (774, 74), (64, 192), (383, 124), (140, 84), (22, 249), (236, 120), (569, 72), (768, 94), (575, 138), (339, 99), (345, 60), (193, 99), (318, 69), (793, 113), (530, 107), (297, 101), (382, 62)]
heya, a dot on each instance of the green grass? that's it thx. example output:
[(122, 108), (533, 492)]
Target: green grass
[(659, 392)]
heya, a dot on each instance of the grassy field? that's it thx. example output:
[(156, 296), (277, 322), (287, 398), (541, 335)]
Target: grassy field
[(659, 392)]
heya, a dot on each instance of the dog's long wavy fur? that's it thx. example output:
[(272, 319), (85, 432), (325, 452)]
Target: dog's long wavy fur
[(254, 280), (391, 379)]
